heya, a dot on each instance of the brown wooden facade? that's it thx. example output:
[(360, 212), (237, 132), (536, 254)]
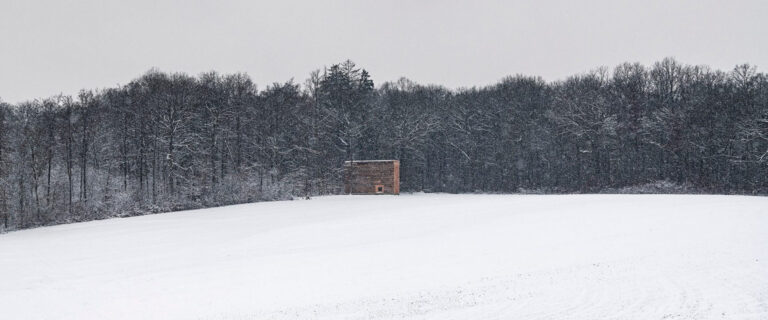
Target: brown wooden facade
[(372, 177)]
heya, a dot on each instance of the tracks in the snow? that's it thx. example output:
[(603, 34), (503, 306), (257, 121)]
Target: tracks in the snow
[(616, 290)]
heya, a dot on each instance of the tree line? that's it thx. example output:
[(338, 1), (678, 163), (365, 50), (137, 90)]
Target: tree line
[(170, 141)]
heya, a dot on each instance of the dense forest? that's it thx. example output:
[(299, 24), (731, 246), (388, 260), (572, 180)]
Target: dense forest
[(173, 141)]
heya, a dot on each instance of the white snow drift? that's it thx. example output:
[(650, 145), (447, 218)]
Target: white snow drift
[(402, 257)]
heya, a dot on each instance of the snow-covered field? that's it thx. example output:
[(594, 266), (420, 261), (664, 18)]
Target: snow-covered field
[(402, 257)]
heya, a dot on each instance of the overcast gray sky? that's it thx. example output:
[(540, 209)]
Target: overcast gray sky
[(48, 47)]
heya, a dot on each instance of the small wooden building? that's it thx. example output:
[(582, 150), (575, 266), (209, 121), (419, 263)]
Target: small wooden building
[(372, 177)]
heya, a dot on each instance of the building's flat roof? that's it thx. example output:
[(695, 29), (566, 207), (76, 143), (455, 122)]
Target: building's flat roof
[(363, 161)]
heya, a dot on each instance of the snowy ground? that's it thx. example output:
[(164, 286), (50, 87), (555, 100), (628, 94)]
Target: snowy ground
[(402, 257)]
